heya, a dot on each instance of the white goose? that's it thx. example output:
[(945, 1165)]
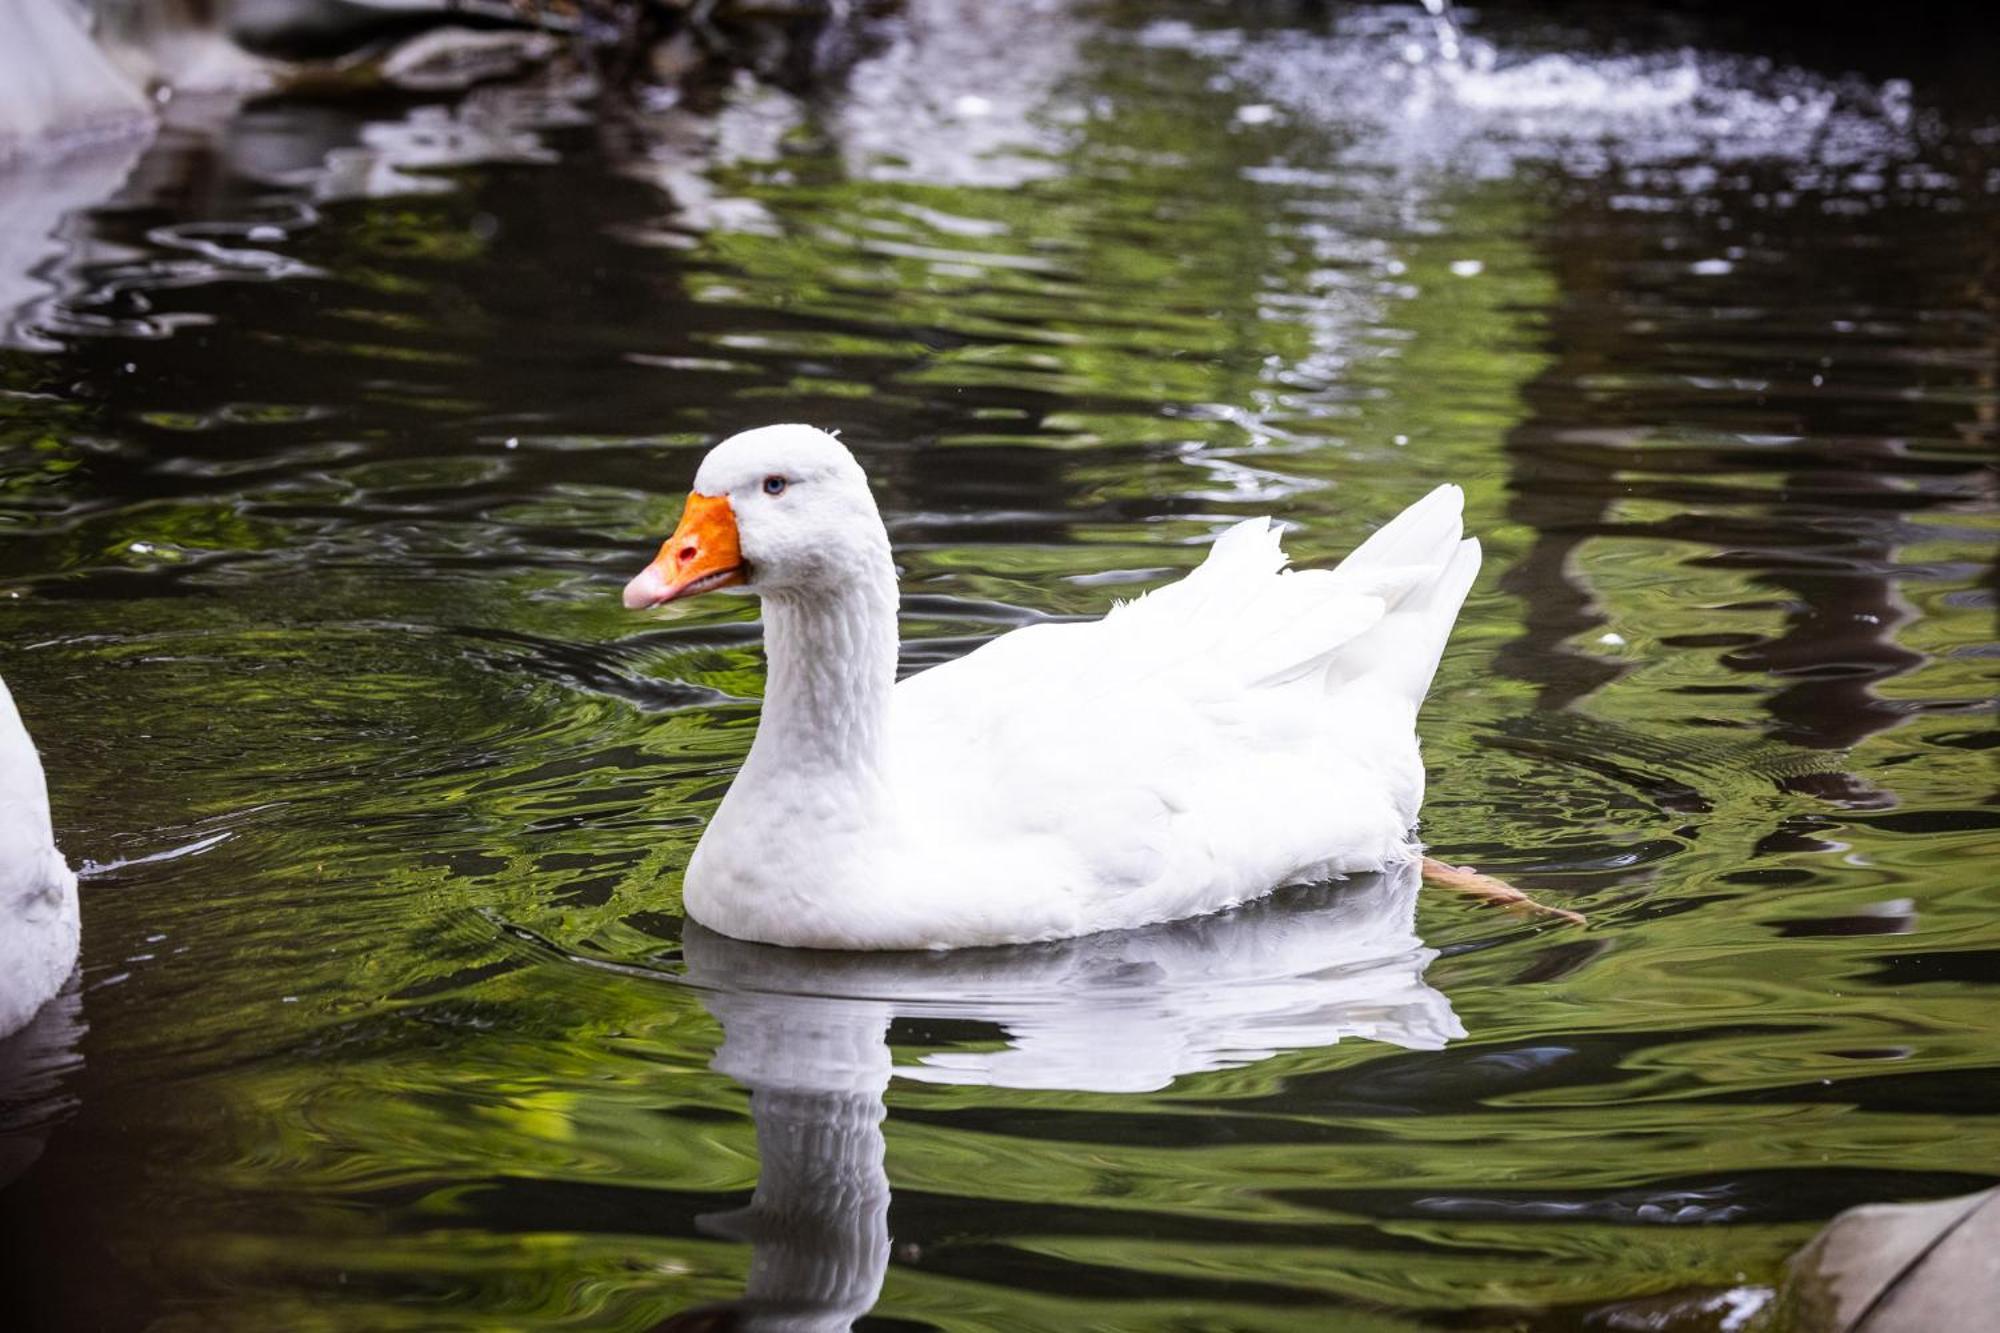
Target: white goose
[(38, 910), (1242, 729)]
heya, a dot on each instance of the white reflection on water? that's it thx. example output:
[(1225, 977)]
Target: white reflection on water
[(1125, 1011), (399, 157), (808, 1034), (961, 94), (965, 94), (39, 1065), (41, 246), (1480, 110)]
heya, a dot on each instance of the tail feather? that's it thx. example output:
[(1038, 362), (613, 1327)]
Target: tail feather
[(1422, 534), (1383, 614), (1422, 551), (1242, 621)]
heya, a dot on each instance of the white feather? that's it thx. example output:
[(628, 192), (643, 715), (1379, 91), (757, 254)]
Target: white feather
[(38, 906)]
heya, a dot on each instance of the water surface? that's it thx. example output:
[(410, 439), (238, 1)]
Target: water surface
[(331, 427)]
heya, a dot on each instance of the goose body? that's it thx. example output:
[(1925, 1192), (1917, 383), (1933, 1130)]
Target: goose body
[(1245, 728), (39, 923)]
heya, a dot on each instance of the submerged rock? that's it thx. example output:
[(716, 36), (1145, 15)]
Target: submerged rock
[(1900, 1268)]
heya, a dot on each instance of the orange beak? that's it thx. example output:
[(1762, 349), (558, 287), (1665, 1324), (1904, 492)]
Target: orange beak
[(700, 557)]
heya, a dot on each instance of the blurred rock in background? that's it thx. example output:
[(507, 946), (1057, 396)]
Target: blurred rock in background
[(57, 88), (58, 84)]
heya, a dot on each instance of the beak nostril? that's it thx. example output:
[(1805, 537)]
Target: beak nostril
[(700, 555)]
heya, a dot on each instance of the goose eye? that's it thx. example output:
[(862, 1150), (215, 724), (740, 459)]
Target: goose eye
[(774, 485)]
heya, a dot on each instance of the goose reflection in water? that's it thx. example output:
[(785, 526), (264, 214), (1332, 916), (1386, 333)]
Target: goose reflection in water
[(807, 1033)]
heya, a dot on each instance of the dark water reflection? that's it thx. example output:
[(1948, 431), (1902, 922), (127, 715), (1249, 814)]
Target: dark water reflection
[(328, 435)]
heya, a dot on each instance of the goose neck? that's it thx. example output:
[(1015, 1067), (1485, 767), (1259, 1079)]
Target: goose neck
[(832, 663)]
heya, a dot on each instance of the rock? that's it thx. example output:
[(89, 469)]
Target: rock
[(323, 29), (180, 45), (454, 58), (1900, 1268), (56, 87)]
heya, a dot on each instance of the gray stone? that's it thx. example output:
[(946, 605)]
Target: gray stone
[(325, 29), (57, 89), (1901, 1268), (179, 45), (454, 58)]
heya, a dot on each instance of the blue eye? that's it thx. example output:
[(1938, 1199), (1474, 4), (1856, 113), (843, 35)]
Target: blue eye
[(774, 485)]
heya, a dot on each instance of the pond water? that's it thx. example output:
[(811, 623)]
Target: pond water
[(330, 430)]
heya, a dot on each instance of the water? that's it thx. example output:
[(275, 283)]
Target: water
[(327, 441)]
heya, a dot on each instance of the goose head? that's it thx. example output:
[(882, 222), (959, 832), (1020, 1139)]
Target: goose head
[(780, 509)]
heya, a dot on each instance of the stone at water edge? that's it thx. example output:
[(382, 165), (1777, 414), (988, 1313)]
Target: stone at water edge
[(1900, 1268), (56, 87)]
